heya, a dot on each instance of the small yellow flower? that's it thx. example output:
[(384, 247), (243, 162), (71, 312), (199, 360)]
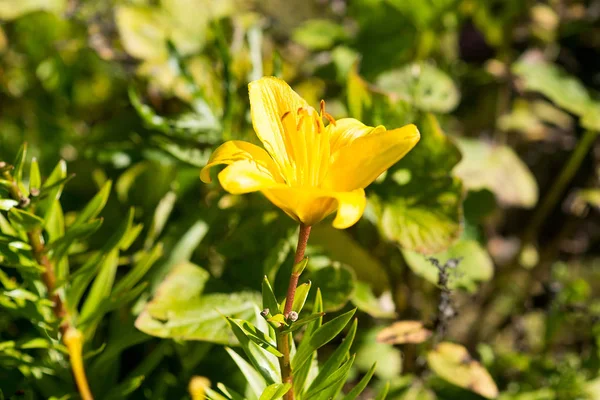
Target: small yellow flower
[(309, 170)]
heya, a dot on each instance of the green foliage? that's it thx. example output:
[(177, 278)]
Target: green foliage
[(109, 109)]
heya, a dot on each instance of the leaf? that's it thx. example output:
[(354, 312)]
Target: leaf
[(401, 332), (269, 301), (139, 270), (35, 179), (254, 379), (453, 363), (299, 298), (275, 391), (548, 79), (7, 204), (179, 310), (422, 211), (329, 387), (95, 206), (19, 165), (25, 219), (384, 392), (143, 31), (161, 215), (61, 246), (475, 265), (361, 385), (499, 169), (302, 321), (365, 300), (257, 336), (422, 85), (336, 359), (102, 285), (320, 337), (336, 283), (318, 34), (10, 9)]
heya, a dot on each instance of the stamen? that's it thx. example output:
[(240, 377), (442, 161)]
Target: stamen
[(285, 114), (325, 114), (300, 120), (329, 118), (318, 125)]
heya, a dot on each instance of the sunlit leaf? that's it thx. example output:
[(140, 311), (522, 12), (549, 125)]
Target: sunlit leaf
[(401, 332), (453, 363), (499, 169), (365, 300)]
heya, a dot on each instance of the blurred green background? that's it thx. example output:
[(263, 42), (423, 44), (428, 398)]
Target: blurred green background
[(505, 178)]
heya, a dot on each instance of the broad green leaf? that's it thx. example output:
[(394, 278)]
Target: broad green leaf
[(24, 219), (95, 206), (422, 85), (453, 363), (475, 265), (320, 337), (365, 300), (551, 81), (275, 391), (10, 9), (422, 208), (254, 379), (319, 34), (35, 179), (361, 385), (336, 283), (498, 169), (179, 310), (336, 359), (329, 387)]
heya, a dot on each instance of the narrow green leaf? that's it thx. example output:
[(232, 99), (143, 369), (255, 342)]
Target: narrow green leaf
[(264, 362), (332, 380), (139, 270), (19, 164), (299, 299), (130, 236), (35, 179), (275, 391), (102, 285), (302, 321), (25, 219), (260, 338), (161, 215), (125, 388), (268, 297), (231, 394), (95, 206), (254, 379), (360, 386), (7, 204), (384, 392), (213, 395), (337, 358), (321, 336), (61, 246), (317, 308)]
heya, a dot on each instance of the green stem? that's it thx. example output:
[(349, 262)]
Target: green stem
[(283, 339), (559, 186)]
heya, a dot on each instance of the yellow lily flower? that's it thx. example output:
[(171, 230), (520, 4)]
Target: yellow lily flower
[(307, 169)]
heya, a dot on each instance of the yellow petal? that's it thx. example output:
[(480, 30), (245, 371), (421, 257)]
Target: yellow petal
[(236, 150), (346, 130), (309, 205), (360, 163), (270, 100), (245, 176)]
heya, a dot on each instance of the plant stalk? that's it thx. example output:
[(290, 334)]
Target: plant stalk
[(283, 339), (71, 337)]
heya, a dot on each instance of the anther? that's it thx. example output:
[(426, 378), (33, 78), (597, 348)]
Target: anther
[(285, 114)]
